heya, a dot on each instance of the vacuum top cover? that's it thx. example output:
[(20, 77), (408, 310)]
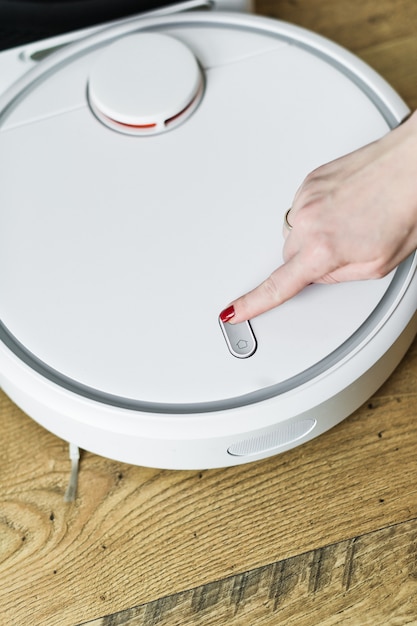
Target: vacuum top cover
[(144, 182)]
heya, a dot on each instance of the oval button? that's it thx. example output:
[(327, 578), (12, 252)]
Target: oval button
[(239, 339)]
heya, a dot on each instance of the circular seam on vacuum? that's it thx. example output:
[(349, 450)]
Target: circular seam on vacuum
[(401, 279), (265, 26)]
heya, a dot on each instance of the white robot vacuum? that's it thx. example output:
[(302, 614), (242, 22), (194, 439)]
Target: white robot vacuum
[(146, 170)]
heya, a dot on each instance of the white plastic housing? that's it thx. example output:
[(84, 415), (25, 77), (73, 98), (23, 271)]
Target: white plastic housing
[(120, 251)]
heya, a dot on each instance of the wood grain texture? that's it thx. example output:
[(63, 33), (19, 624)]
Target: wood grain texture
[(135, 535), (323, 534), (382, 33), (363, 581)]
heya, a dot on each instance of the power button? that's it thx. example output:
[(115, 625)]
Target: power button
[(239, 339)]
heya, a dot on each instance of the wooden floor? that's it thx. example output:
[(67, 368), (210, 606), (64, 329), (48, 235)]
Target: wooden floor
[(322, 535)]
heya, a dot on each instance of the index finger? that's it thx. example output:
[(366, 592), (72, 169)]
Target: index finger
[(284, 283)]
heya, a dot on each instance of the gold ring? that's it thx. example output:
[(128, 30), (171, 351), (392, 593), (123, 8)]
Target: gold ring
[(286, 222)]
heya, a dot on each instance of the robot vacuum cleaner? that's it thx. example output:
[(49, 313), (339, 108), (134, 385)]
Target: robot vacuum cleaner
[(146, 170)]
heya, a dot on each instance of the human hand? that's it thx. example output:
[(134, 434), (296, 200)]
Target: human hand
[(352, 219)]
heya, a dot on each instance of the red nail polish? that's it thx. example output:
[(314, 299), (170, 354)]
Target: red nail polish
[(227, 314)]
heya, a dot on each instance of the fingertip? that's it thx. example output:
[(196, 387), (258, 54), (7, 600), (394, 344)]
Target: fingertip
[(236, 312), (228, 314), (240, 310)]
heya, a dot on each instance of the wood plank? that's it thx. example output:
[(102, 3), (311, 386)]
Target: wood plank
[(364, 581), (137, 534), (388, 59), (357, 25), (382, 33)]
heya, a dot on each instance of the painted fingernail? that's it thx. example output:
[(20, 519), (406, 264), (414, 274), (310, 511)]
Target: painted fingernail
[(227, 314)]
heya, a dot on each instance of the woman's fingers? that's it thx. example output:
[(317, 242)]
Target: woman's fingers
[(352, 219), (283, 284)]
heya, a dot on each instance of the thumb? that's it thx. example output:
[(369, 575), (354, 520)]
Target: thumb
[(284, 283)]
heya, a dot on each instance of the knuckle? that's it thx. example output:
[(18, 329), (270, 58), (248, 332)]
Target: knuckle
[(379, 269), (270, 289), (324, 258), (305, 218)]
